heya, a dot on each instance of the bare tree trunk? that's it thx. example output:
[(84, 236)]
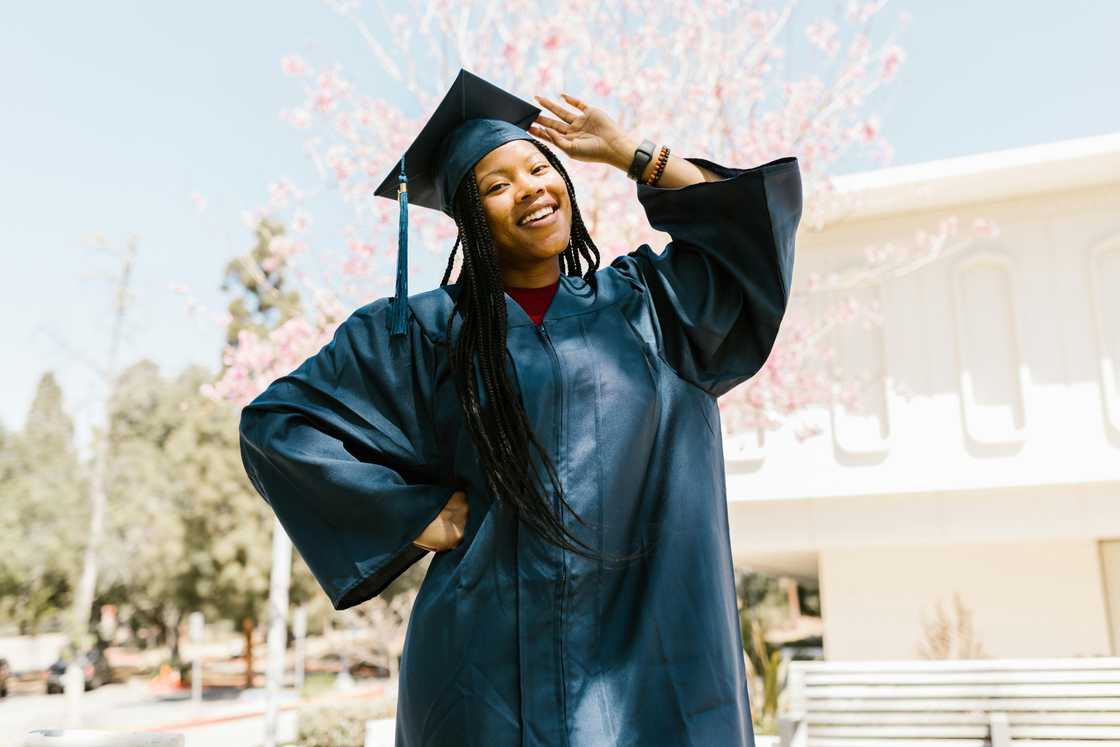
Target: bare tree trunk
[(87, 584), (247, 629), (176, 638), (279, 583)]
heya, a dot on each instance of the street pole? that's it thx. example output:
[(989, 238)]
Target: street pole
[(79, 633), (197, 630), (277, 627), (299, 632)]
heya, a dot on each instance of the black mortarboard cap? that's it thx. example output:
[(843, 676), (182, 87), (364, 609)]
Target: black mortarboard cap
[(474, 117)]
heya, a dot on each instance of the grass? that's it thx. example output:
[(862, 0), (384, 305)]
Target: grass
[(315, 683)]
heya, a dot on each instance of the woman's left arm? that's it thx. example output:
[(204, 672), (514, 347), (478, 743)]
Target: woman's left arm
[(719, 289), (678, 172), (588, 134)]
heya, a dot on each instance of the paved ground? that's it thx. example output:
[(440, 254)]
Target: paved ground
[(227, 717)]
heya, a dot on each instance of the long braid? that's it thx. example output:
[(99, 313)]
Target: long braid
[(451, 259), (581, 244), (501, 430)]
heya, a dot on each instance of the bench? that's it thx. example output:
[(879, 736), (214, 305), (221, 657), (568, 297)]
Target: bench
[(959, 703)]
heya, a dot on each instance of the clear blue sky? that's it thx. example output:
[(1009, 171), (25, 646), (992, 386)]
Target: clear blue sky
[(115, 112)]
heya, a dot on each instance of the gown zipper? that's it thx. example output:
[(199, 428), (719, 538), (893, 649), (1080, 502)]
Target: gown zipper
[(542, 333)]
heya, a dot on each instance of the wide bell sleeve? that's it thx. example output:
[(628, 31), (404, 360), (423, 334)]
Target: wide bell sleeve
[(343, 450), (720, 288)]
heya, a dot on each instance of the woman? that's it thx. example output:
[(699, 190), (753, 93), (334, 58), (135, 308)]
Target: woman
[(565, 467)]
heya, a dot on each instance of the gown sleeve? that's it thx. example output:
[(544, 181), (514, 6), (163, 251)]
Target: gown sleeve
[(719, 289), (343, 451)]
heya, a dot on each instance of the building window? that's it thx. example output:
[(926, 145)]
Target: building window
[(861, 381), (1104, 278), (993, 375)]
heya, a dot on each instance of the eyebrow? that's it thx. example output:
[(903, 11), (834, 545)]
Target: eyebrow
[(502, 170)]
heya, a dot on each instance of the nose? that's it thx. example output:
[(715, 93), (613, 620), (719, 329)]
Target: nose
[(529, 188)]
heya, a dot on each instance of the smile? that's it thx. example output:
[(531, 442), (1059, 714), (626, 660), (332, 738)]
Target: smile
[(550, 215)]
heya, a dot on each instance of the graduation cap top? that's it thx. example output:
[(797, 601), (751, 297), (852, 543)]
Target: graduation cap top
[(474, 117)]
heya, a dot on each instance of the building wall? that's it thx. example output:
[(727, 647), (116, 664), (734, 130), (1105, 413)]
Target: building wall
[(985, 454), (1028, 599), (998, 365)]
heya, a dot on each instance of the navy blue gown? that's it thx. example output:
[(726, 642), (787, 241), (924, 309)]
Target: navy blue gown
[(513, 641)]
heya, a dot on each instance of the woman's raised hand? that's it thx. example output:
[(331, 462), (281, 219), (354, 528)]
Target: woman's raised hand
[(587, 134), (446, 530)]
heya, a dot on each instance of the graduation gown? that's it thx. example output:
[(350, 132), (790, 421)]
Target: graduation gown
[(513, 641)]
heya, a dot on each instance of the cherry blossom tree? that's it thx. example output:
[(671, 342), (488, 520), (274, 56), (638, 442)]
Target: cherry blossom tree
[(710, 78)]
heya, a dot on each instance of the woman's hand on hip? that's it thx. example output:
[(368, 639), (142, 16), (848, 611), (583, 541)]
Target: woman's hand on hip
[(446, 530), (586, 134)]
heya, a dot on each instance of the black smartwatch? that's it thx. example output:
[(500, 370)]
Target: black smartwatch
[(642, 156)]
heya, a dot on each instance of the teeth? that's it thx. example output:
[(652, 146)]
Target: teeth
[(537, 214)]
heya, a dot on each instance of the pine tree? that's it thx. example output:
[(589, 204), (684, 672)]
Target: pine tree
[(42, 513)]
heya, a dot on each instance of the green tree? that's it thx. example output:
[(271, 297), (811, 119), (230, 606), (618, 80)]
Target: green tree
[(42, 513), (144, 547), (257, 281)]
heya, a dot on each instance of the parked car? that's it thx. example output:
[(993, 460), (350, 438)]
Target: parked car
[(5, 673), (95, 669)]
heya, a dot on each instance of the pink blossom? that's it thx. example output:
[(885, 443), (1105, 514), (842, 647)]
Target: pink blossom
[(323, 101), (281, 193), (339, 161), (859, 12), (822, 34), (733, 109), (301, 221), (293, 65), (869, 130), (757, 22), (250, 218), (861, 43), (892, 59), (298, 118), (356, 266), (283, 247)]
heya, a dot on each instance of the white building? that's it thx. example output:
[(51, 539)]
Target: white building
[(989, 462)]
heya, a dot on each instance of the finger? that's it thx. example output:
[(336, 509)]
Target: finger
[(555, 124), (575, 102), (556, 139), (556, 109), (564, 143), (542, 133)]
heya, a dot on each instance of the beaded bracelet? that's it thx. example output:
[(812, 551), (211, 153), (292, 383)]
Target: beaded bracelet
[(662, 159)]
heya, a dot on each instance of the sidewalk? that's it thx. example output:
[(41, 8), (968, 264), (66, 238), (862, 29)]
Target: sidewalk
[(226, 717), (253, 704)]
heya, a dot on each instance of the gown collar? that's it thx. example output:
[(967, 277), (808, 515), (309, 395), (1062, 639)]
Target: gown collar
[(573, 296)]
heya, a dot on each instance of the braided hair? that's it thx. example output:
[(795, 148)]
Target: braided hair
[(501, 432)]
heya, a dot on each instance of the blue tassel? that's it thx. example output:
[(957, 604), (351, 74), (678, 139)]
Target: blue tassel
[(400, 300)]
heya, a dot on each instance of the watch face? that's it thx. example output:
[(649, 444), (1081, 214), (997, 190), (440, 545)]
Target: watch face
[(642, 156)]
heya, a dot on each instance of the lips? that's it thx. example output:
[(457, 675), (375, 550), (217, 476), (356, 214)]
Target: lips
[(547, 219)]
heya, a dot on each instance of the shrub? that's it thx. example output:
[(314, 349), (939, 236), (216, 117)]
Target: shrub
[(342, 725)]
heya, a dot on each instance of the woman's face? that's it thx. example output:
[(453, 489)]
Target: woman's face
[(515, 180)]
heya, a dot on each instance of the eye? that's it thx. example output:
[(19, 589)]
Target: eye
[(494, 186)]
